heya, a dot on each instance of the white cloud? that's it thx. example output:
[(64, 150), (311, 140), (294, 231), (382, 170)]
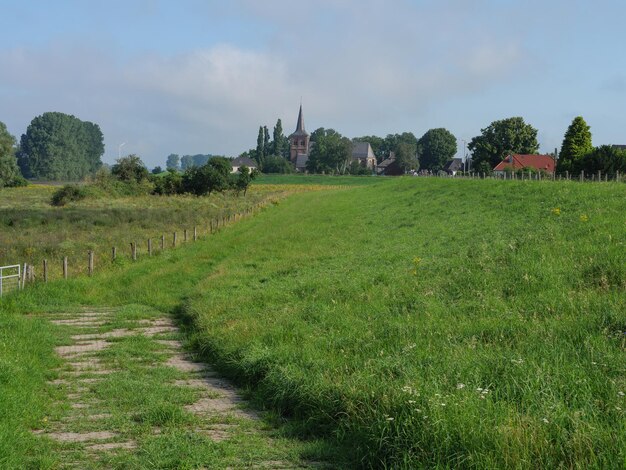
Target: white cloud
[(361, 67)]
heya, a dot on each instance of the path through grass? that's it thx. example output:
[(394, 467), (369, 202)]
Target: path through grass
[(131, 397)]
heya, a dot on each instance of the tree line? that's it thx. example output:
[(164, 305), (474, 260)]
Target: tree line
[(58, 146)]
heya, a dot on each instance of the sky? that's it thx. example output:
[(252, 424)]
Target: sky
[(193, 76)]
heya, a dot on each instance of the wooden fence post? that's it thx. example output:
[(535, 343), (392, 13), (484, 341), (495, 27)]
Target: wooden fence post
[(582, 176), (195, 233), (65, 273), (185, 235), (113, 254), (133, 250), (45, 270), (211, 227), (162, 242), (174, 242), (149, 246), (90, 266)]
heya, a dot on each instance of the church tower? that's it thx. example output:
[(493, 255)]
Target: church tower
[(299, 140)]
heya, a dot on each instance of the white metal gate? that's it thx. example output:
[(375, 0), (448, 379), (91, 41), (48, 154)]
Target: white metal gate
[(10, 278)]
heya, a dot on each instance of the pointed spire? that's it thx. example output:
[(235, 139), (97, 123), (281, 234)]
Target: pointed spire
[(300, 126)]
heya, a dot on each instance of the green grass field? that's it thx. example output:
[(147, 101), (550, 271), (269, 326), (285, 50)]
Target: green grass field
[(414, 323)]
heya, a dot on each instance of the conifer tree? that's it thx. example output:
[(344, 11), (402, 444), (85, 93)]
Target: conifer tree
[(576, 144), (259, 146)]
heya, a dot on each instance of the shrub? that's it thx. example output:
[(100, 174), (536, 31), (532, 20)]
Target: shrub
[(130, 168), (68, 193), (170, 183)]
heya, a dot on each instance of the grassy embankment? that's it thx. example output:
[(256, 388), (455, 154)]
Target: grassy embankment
[(31, 230), (417, 322)]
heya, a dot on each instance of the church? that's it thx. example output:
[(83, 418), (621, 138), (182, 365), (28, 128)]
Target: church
[(300, 147)]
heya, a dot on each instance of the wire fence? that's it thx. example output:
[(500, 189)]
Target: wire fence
[(19, 276)]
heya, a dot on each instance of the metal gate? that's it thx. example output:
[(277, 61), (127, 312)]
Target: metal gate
[(10, 278)]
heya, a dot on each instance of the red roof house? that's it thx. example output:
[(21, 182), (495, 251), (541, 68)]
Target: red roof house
[(516, 162)]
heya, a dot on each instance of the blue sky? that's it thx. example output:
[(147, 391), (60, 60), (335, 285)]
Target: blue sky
[(200, 76)]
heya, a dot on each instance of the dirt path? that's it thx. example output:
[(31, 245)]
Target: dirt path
[(131, 397)]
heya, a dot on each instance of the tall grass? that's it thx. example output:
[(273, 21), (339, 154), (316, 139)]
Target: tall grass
[(31, 230), (417, 323), (435, 323)]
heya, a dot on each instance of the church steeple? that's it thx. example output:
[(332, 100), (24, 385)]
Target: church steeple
[(300, 125), (299, 140)]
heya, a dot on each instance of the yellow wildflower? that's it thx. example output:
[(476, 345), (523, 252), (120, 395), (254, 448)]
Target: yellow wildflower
[(584, 218), (556, 211)]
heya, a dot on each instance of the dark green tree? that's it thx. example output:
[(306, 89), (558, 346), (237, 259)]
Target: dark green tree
[(276, 164), (156, 170), (406, 156), (10, 174), (214, 176), (244, 179), (186, 162), (169, 184), (130, 169), (435, 148), (260, 149), (173, 162), (59, 146), (501, 138), (200, 159), (280, 143), (576, 144), (331, 153), (606, 159), (267, 147)]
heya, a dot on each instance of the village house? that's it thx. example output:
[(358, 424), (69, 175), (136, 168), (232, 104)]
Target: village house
[(363, 153), (300, 147), (389, 166), (517, 162), (453, 166), (243, 161)]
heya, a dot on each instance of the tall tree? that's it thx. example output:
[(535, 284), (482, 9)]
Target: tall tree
[(200, 159), (576, 144), (260, 150), (10, 174), (173, 162), (267, 148), (500, 138), (435, 148), (406, 156), (280, 144), (186, 162), (331, 152), (59, 146)]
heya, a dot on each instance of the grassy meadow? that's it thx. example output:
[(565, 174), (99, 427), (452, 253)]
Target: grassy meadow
[(411, 323)]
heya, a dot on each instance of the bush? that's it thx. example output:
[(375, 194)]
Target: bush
[(130, 168), (169, 184), (275, 164), (68, 193)]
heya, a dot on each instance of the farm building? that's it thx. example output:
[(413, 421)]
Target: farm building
[(243, 161), (516, 162), (453, 166)]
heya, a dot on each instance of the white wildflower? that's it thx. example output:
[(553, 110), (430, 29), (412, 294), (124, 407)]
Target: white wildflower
[(460, 386)]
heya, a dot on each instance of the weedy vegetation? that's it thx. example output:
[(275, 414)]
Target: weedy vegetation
[(410, 323)]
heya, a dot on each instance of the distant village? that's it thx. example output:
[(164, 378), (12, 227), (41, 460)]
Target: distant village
[(363, 156)]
